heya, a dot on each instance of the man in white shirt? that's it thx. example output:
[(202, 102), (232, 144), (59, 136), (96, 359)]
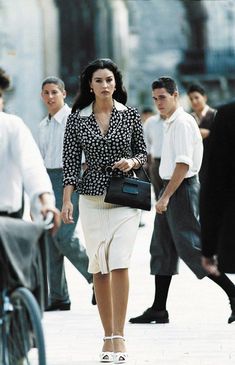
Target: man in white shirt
[(153, 133), (65, 243), (21, 167), (177, 230)]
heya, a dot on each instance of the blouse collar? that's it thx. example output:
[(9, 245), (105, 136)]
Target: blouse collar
[(86, 112)]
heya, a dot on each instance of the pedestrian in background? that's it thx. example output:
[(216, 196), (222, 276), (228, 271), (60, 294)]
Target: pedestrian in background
[(66, 242), (177, 230), (218, 198), (153, 133), (111, 136), (146, 112), (22, 167), (204, 116)]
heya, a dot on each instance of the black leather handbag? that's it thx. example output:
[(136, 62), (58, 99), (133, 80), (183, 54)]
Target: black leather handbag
[(129, 191)]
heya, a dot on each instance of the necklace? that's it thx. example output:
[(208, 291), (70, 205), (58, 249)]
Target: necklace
[(104, 125), (103, 119)]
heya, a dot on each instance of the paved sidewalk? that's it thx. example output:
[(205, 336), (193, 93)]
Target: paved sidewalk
[(198, 333)]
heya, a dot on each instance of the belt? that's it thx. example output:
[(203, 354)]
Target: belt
[(56, 169), (11, 215), (187, 180)]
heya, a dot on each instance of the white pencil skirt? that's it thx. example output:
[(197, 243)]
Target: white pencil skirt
[(110, 232)]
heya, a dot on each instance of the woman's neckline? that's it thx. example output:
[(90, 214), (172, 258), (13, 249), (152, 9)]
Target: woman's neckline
[(107, 110)]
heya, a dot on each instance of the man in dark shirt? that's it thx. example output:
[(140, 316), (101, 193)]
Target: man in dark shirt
[(204, 116)]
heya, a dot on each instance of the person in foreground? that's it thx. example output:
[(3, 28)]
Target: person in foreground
[(218, 245), (111, 136), (177, 231), (66, 242), (22, 168)]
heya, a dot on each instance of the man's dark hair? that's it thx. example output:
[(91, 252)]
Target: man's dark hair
[(196, 88), (165, 82), (54, 80), (4, 80)]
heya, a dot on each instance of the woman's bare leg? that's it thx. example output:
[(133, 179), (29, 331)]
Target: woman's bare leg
[(120, 291), (102, 285)]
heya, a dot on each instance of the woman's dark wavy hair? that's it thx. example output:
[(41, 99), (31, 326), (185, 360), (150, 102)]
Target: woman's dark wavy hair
[(85, 97)]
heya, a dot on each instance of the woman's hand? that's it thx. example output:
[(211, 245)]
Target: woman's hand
[(125, 164), (67, 212)]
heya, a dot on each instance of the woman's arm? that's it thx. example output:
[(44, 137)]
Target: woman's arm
[(72, 151), (72, 155), (138, 145), (67, 208), (138, 148)]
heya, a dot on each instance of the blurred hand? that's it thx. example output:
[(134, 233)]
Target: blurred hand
[(48, 205), (210, 265), (161, 205)]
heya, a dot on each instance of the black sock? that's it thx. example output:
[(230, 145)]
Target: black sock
[(225, 283), (162, 284)]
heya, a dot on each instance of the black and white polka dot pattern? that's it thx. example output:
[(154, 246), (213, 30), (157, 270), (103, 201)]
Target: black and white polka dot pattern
[(124, 139)]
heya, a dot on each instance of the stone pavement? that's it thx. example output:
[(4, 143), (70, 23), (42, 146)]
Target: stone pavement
[(198, 333)]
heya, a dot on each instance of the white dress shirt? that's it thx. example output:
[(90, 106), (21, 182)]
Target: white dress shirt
[(153, 134), (182, 143), (51, 136), (21, 164)]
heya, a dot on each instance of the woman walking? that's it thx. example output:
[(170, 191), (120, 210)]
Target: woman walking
[(110, 135)]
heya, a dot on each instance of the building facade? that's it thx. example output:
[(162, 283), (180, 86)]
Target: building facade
[(186, 39), (39, 38)]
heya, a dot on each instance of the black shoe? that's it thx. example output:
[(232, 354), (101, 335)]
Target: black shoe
[(232, 304), (150, 315), (93, 299), (59, 306)]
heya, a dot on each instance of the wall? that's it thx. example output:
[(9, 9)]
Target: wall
[(27, 54), (157, 37)]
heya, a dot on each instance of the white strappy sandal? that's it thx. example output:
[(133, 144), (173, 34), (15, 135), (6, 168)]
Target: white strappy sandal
[(106, 356), (119, 357)]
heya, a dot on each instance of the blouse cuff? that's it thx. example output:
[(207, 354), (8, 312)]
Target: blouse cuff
[(142, 159), (70, 181)]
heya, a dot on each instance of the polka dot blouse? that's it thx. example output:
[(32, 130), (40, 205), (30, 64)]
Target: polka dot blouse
[(124, 139)]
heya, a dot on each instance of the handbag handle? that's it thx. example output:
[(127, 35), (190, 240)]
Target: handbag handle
[(142, 170), (142, 174)]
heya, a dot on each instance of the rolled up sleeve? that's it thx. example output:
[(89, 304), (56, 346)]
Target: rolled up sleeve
[(184, 144)]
